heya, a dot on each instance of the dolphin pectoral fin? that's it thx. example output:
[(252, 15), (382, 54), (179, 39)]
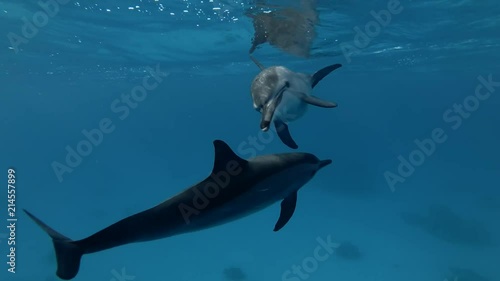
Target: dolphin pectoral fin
[(312, 100), (287, 208), (322, 73), (284, 134), (225, 157)]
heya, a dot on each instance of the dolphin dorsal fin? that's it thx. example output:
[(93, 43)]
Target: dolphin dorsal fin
[(257, 63), (224, 155), (320, 74)]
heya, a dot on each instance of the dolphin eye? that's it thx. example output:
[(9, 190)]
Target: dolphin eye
[(287, 84)]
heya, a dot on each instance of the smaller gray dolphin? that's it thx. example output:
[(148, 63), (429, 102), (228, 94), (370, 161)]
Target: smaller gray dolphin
[(282, 96)]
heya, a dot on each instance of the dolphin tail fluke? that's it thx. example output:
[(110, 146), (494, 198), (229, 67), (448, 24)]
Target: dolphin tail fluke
[(68, 253)]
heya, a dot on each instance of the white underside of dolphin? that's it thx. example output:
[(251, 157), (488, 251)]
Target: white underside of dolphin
[(282, 96)]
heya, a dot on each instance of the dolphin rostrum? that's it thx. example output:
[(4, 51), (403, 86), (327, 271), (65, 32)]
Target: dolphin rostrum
[(235, 188), (282, 96)]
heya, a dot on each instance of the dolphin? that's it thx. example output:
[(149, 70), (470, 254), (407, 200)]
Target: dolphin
[(234, 189), (282, 96), (290, 28)]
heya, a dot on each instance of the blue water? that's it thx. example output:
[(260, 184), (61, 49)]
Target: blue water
[(440, 221)]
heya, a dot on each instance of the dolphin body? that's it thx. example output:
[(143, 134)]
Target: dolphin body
[(282, 96), (235, 188)]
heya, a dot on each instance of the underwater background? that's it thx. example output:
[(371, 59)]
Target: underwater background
[(431, 73)]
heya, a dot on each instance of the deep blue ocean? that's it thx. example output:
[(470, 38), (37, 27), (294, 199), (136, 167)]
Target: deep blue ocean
[(413, 190)]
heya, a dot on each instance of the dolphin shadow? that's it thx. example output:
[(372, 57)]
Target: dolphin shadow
[(444, 224), (465, 274), (234, 274)]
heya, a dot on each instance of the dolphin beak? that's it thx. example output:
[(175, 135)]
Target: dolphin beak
[(269, 108), (324, 163), (264, 125)]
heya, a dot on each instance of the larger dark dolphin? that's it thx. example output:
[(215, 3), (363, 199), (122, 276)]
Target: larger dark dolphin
[(235, 188)]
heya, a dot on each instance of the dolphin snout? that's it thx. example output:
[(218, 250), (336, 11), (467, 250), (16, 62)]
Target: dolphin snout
[(324, 163), (264, 125)]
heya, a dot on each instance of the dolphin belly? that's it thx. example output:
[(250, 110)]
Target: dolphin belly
[(243, 206), (290, 108), (262, 195)]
